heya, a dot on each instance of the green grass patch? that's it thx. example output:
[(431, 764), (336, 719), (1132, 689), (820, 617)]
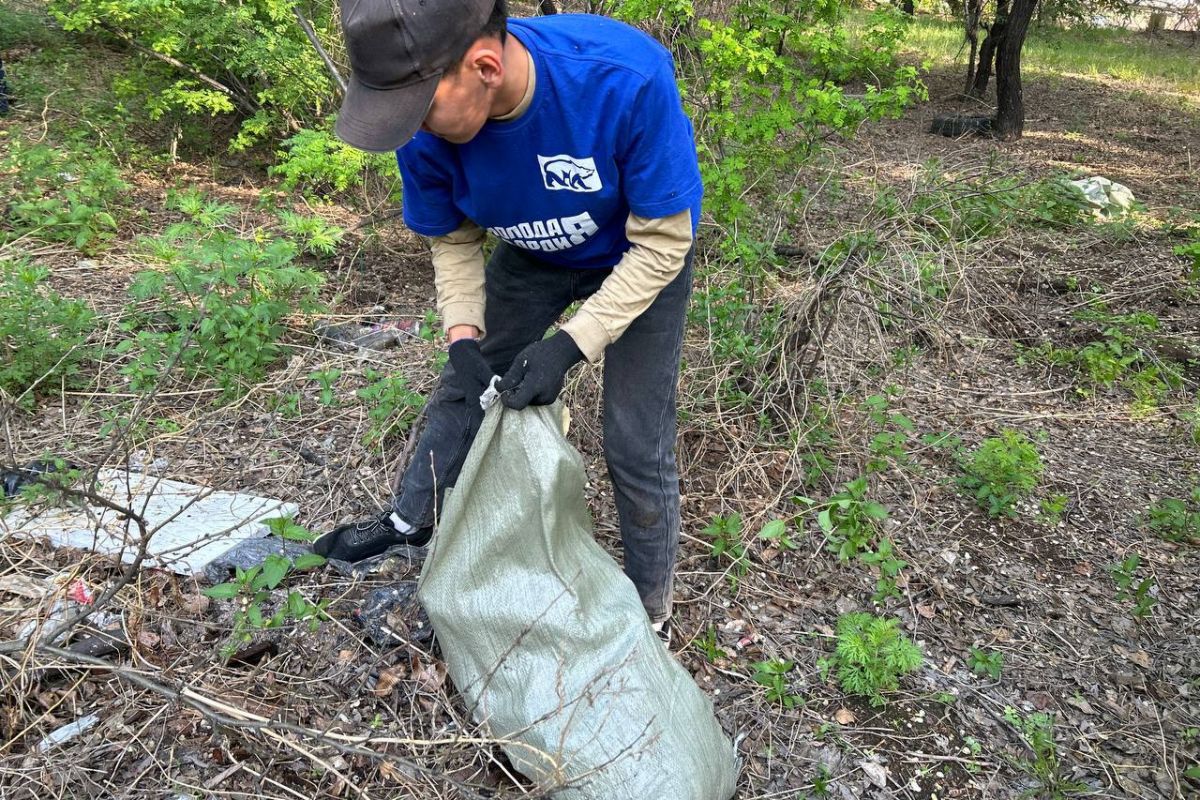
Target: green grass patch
[(1088, 53)]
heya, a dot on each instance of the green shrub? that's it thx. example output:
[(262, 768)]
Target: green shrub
[(871, 656), (317, 162), (58, 197), (42, 335), (248, 58), (220, 300), (1002, 471)]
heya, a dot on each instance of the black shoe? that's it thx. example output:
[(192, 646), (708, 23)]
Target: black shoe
[(356, 541)]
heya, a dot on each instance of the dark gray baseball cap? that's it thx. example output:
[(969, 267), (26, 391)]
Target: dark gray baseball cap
[(398, 52)]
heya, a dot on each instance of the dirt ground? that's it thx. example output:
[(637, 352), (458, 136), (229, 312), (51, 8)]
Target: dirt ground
[(1123, 690)]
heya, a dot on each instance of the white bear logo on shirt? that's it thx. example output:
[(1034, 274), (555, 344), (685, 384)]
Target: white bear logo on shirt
[(570, 173)]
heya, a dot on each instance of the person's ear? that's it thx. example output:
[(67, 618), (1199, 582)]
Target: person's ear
[(487, 61)]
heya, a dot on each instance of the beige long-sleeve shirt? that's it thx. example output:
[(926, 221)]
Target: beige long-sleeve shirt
[(656, 255)]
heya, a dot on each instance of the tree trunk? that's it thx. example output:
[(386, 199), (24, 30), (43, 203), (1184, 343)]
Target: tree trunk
[(987, 53), (3, 91), (971, 12), (1010, 106)]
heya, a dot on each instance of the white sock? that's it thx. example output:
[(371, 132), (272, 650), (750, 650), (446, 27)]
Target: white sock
[(399, 524)]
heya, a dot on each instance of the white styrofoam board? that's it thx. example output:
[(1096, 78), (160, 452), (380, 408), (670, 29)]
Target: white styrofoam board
[(189, 526)]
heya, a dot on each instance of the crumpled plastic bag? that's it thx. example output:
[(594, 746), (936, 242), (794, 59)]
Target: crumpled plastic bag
[(546, 639), (1106, 198)]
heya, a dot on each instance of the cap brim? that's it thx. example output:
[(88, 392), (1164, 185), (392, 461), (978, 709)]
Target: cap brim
[(382, 120)]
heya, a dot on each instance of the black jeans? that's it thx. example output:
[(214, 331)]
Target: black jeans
[(525, 297)]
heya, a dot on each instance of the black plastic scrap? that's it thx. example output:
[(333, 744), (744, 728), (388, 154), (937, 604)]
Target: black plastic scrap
[(13, 480), (391, 615)]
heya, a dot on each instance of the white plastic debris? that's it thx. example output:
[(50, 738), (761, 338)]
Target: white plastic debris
[(1106, 198), (67, 732), (190, 525)]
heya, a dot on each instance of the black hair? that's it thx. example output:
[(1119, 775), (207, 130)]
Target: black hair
[(496, 25)]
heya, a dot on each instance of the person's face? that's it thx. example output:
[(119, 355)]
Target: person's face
[(464, 97)]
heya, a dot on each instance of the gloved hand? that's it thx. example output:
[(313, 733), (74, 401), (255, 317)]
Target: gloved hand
[(472, 375), (538, 372)]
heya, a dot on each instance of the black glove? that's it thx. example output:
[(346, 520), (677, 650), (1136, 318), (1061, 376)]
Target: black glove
[(471, 371), (537, 373)]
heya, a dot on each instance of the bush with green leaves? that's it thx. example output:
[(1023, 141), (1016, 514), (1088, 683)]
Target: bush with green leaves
[(871, 656), (59, 197), (219, 300), (1001, 471), (205, 58), (316, 162), (43, 336)]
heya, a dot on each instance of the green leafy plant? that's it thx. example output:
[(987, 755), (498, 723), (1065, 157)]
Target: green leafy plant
[(317, 162), (871, 656), (43, 336), (776, 532), (1001, 471), (773, 675), (226, 297), (58, 197), (726, 534), (254, 586), (889, 445), (1052, 507), (986, 662), (1129, 588), (326, 379), (392, 406), (709, 646), (249, 58), (884, 558), (1037, 728), (315, 235), (848, 519), (1175, 519)]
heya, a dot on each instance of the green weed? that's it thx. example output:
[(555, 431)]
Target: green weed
[(726, 534), (43, 336), (1175, 519), (1129, 588), (773, 675), (326, 379), (58, 197), (253, 588), (1037, 729), (226, 296), (1001, 471), (986, 662), (776, 532), (871, 656), (392, 406)]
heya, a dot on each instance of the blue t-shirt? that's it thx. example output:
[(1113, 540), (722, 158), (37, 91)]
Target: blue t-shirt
[(605, 135)]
